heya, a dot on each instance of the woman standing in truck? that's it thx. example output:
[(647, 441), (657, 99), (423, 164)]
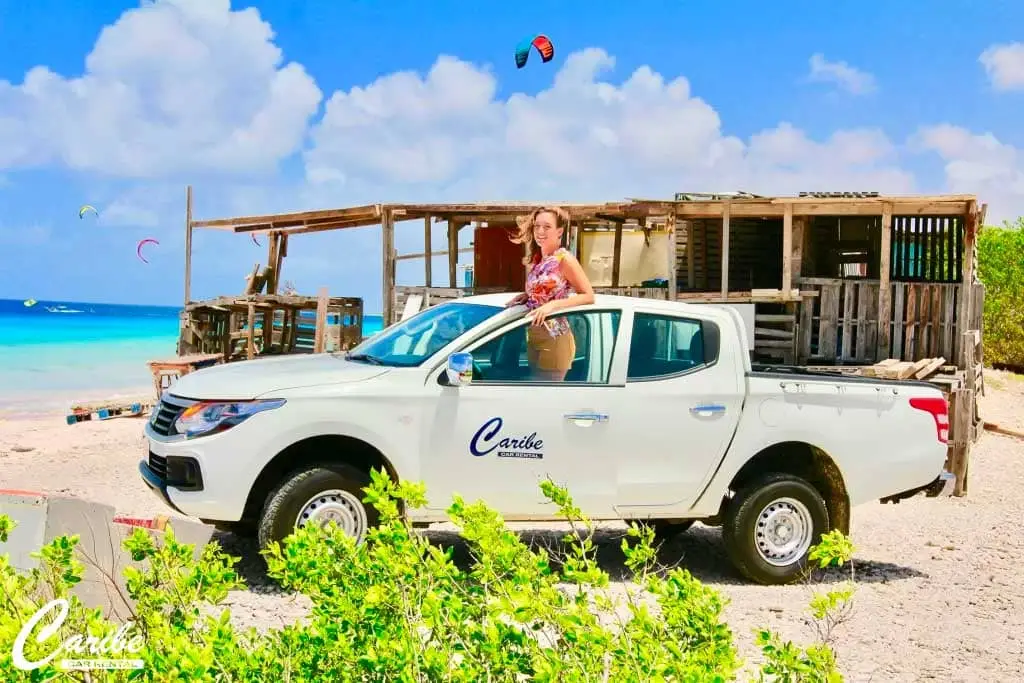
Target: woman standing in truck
[(556, 281)]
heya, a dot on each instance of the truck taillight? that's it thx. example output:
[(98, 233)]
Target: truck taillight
[(939, 410)]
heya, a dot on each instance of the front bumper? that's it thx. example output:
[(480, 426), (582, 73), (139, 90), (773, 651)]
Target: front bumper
[(941, 486), (157, 485)]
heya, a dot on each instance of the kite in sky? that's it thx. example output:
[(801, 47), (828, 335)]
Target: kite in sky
[(138, 248), (86, 208), (544, 46)]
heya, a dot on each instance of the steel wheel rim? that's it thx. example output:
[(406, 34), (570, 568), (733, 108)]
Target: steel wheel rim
[(783, 532), (338, 506)]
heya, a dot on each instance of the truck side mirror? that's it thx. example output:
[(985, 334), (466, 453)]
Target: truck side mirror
[(459, 371)]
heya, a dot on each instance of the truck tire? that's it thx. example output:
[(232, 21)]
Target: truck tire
[(317, 493), (770, 526), (665, 530)]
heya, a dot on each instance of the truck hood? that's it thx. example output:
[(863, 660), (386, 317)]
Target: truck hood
[(250, 379)]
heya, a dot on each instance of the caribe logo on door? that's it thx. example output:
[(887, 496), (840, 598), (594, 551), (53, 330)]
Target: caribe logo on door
[(489, 439)]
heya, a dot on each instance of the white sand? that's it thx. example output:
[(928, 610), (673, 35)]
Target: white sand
[(940, 583)]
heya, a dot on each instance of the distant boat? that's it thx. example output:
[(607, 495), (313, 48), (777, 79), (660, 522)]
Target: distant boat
[(29, 302), (62, 309)]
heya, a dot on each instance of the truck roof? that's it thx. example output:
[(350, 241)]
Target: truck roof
[(626, 302)]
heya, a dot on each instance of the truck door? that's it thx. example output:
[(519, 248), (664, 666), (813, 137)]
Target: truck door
[(499, 437), (683, 405)]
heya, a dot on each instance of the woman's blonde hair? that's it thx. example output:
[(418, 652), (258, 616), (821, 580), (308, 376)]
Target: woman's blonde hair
[(524, 235)]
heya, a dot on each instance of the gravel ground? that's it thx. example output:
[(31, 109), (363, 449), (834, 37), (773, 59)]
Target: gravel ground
[(939, 587)]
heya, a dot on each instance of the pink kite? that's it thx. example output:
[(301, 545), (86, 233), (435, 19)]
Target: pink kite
[(138, 248)]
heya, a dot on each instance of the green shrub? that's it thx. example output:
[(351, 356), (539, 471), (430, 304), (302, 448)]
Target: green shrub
[(398, 608), (1001, 269)]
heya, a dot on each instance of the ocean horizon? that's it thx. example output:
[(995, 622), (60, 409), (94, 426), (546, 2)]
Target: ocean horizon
[(53, 353)]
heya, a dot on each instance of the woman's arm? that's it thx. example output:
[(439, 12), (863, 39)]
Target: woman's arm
[(573, 273)]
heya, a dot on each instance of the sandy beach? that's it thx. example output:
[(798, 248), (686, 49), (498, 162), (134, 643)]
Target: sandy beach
[(939, 583)]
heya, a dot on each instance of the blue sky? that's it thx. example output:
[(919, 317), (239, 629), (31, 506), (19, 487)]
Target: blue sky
[(194, 91)]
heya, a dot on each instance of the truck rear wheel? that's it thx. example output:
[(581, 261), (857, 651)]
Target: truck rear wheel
[(317, 495), (770, 526)]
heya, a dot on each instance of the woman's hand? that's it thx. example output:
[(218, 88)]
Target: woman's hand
[(539, 315), (517, 300)]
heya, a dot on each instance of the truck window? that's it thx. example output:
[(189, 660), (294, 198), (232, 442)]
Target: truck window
[(504, 359), (663, 345)]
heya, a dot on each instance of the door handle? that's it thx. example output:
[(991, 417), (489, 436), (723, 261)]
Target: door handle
[(708, 410), (586, 417)]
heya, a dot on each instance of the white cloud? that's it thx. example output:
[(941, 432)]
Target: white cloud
[(841, 74), (174, 85), (978, 164), (1004, 65), (446, 136)]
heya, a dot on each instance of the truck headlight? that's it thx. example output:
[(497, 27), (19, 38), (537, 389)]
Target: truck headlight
[(211, 417)]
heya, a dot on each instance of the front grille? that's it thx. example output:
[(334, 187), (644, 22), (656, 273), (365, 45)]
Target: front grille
[(166, 412), (158, 464)]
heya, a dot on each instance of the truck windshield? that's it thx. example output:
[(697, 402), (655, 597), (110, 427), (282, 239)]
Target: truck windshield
[(412, 341)]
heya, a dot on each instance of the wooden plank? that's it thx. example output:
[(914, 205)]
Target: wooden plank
[(864, 321), (250, 333), (726, 215), (931, 366), (884, 290), (772, 344), (413, 305), (800, 228), (827, 321), (188, 245), (948, 320), (407, 257), (935, 335), (805, 330), (900, 370), (787, 248), (320, 333), (910, 318), (773, 318), (769, 332), (924, 303), (691, 255), (899, 292), (428, 248), (846, 345), (453, 253)]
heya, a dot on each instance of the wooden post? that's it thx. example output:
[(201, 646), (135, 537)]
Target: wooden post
[(387, 225), (320, 333), (428, 249), (673, 265), (250, 332), (617, 255), (453, 253), (884, 286), (963, 318), (691, 256), (188, 245), (726, 210), (787, 251)]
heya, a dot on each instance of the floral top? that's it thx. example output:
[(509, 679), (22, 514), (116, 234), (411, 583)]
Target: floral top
[(545, 283)]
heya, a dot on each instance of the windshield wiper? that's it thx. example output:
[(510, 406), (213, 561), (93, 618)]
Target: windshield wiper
[(364, 357)]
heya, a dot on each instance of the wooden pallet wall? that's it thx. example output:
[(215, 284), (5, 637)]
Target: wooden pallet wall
[(750, 241)]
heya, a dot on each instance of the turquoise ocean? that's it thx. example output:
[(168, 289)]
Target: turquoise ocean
[(55, 352)]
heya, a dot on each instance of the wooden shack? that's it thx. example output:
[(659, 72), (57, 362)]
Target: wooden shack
[(857, 282)]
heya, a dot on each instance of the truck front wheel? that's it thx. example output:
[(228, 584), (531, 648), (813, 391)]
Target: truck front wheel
[(770, 526), (317, 495)]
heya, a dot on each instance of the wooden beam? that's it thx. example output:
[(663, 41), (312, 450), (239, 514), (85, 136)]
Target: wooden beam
[(726, 215), (673, 265), (298, 218), (768, 209), (787, 249), (320, 333), (387, 226), (188, 245), (967, 279), (884, 286), (453, 253), (428, 246), (691, 256), (617, 255), (406, 257)]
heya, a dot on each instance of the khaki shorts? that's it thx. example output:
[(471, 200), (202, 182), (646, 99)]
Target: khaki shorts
[(550, 353)]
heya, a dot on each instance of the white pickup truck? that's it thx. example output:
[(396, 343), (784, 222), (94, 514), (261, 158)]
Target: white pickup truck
[(661, 418)]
